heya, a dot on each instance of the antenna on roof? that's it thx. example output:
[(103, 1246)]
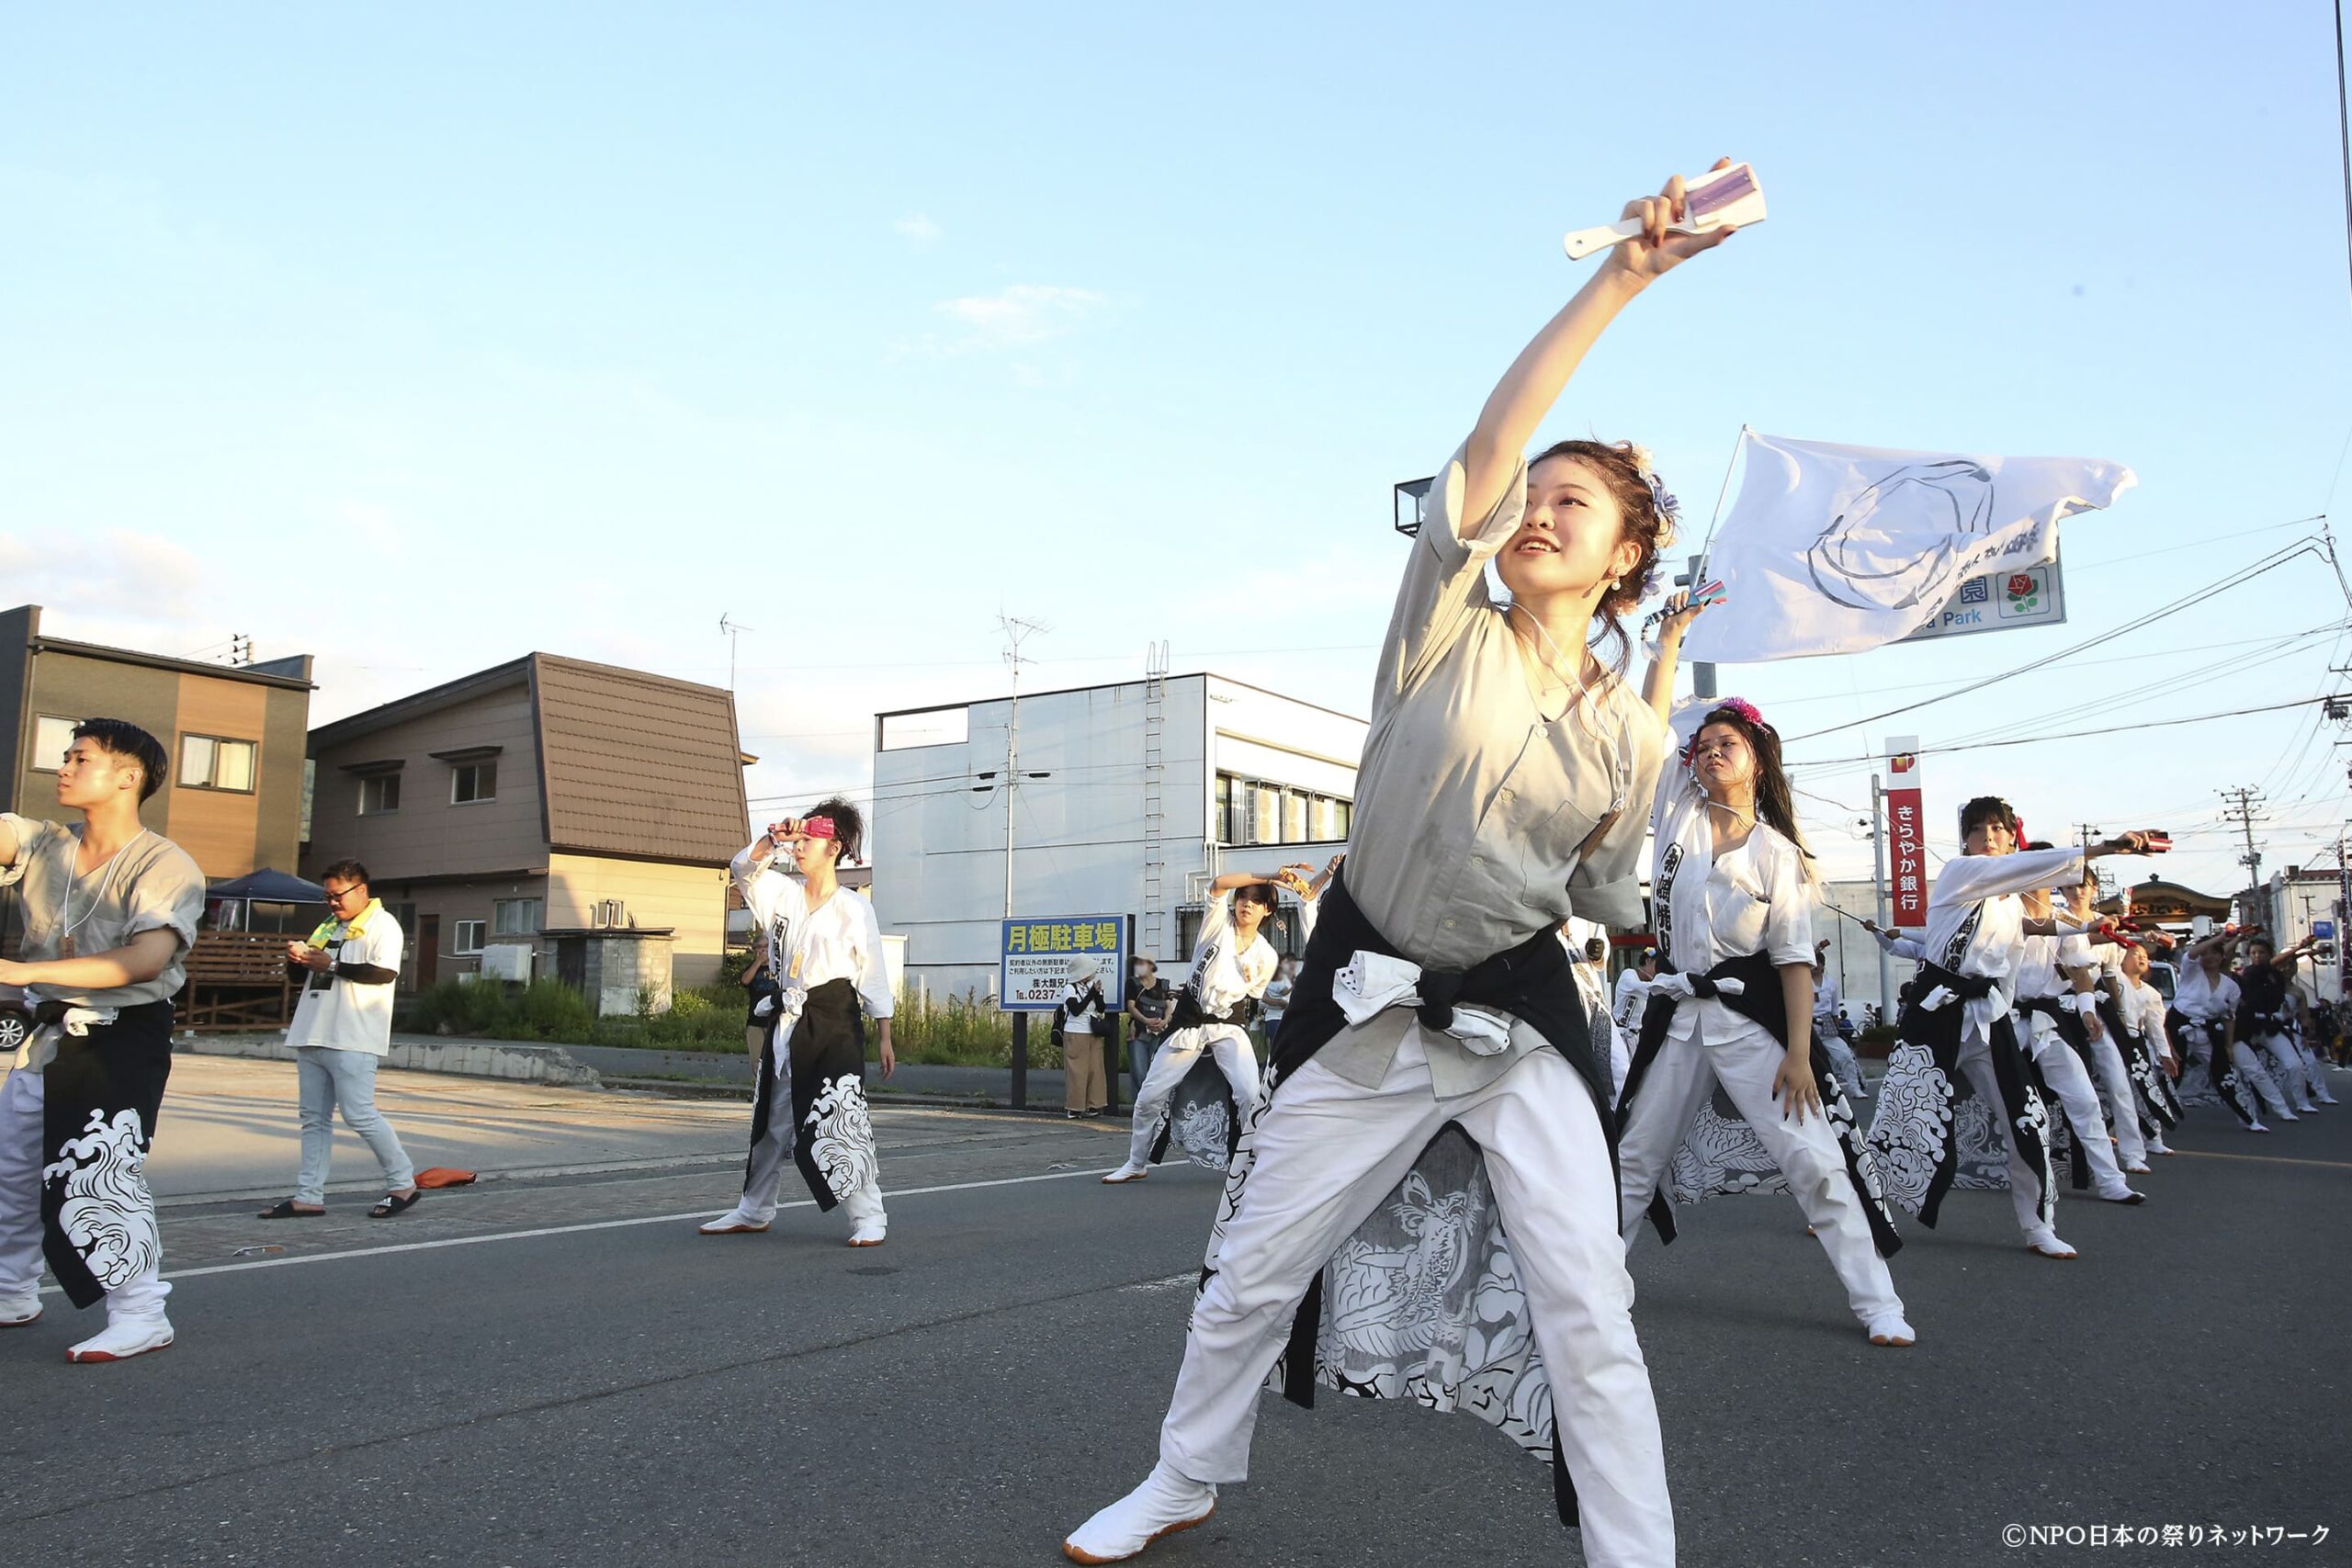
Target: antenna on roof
[(732, 630)]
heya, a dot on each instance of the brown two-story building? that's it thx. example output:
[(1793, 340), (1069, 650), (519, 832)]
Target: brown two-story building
[(547, 816), (235, 733)]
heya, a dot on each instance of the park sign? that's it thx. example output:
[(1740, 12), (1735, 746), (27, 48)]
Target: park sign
[(1999, 601), (1037, 953)]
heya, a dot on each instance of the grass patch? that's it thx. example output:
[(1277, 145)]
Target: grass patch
[(959, 1031)]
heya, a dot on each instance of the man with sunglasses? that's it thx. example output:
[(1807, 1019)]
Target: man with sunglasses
[(342, 1029)]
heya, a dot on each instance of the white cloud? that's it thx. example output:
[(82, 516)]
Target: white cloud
[(1020, 315), (916, 228)]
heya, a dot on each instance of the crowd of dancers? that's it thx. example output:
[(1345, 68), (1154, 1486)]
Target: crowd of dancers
[(1431, 1188)]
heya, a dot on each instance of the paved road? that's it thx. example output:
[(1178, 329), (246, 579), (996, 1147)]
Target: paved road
[(556, 1370)]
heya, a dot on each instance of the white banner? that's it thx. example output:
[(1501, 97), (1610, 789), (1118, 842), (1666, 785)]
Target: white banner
[(1836, 549)]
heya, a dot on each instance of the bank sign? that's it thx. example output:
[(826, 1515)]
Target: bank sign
[(1037, 955), (2000, 602)]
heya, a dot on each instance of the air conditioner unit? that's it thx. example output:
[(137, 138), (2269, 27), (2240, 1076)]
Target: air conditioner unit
[(507, 961), (609, 912)]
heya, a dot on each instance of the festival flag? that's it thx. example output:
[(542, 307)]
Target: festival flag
[(1836, 549)]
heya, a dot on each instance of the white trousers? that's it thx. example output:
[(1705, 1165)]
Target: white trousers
[(2256, 1079), (2071, 1082), (2122, 1100), (2315, 1072), (138, 1299), (1235, 1058), (2285, 1073), (1678, 1082), (1976, 1065), (1327, 1152), (772, 1156), (1843, 1064)]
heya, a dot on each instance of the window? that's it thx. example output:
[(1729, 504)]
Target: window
[(208, 761), (470, 936), (50, 738), (514, 917), (471, 781), (379, 792), (1247, 812)]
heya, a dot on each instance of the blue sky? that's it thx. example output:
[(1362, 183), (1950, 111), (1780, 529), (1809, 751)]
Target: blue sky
[(421, 340)]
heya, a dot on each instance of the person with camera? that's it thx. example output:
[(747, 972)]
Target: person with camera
[(1078, 1034)]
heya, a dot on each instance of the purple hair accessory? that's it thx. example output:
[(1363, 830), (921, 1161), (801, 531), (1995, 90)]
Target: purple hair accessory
[(1663, 500)]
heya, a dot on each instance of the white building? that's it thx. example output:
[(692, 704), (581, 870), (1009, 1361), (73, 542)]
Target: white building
[(2291, 904), (1128, 799)]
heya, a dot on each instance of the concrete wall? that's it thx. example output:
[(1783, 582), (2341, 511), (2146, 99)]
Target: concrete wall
[(691, 900)]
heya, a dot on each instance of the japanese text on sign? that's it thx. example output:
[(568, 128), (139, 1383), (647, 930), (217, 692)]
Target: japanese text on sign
[(1037, 957)]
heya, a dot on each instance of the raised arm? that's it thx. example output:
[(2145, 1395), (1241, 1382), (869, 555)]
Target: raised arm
[(1658, 685), (1288, 876), (1535, 379)]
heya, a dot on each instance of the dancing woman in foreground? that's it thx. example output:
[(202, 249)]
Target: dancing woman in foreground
[(1503, 789)]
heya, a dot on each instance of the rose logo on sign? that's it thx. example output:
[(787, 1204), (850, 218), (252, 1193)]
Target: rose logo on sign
[(2024, 593)]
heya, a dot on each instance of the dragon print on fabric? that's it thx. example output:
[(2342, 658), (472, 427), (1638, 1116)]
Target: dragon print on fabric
[(1912, 1128), (1203, 1130), (1423, 1300), (107, 1214), (1983, 1162), (1720, 1154), (1423, 1303), (840, 1135)]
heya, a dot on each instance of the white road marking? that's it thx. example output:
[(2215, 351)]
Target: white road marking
[(590, 1225)]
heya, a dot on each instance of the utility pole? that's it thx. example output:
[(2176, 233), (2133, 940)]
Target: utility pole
[(1885, 910), (1015, 631), (2242, 808), (2086, 835)]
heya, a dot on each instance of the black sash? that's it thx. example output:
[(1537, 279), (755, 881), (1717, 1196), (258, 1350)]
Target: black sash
[(101, 1097), (1763, 1002), (1532, 982), (833, 1140)]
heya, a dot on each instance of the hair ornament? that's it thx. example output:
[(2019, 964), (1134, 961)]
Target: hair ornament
[(1746, 711)]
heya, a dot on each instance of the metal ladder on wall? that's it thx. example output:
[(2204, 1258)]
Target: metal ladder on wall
[(1155, 818)]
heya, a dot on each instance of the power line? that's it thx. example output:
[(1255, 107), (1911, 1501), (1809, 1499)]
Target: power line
[(2275, 560), (2068, 735)]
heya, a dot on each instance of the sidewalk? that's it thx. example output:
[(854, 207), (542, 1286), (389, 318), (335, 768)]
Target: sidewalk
[(730, 1073)]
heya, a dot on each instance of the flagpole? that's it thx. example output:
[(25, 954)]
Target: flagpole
[(1702, 675)]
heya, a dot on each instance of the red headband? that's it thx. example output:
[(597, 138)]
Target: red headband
[(819, 828)]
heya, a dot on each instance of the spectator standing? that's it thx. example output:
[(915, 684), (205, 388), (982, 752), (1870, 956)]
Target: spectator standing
[(1151, 1003), (1078, 1032), (342, 1029), (1274, 1001)]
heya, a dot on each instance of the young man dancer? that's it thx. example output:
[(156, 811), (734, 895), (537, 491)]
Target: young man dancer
[(2058, 1025), (2205, 1004), (1232, 965), (825, 947), (1961, 1024), (110, 910)]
